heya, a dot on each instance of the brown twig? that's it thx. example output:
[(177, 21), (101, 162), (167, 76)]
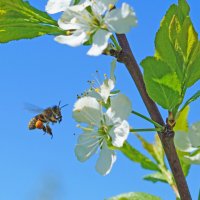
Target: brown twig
[(166, 137)]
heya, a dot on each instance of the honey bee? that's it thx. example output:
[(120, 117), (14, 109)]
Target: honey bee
[(42, 120)]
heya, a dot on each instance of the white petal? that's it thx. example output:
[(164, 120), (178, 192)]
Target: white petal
[(106, 88), (72, 19), (119, 134), (194, 134), (54, 6), (87, 110), (87, 146), (121, 20), (74, 40), (193, 159), (100, 42), (106, 160), (112, 70), (120, 108), (182, 141), (100, 7)]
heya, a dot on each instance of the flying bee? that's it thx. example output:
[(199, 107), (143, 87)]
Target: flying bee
[(42, 120)]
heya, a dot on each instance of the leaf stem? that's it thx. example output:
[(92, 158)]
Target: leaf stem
[(145, 130), (115, 43), (146, 118)]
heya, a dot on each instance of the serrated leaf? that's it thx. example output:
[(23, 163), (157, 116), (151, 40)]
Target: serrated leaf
[(156, 177), (168, 54), (176, 44), (187, 39), (184, 7), (193, 72), (138, 157), (182, 120), (162, 83), (135, 196), (19, 20)]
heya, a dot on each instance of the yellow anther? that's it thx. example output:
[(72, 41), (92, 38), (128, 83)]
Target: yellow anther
[(97, 90), (88, 32), (111, 6), (68, 32), (104, 26)]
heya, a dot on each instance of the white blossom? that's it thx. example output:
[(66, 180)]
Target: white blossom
[(103, 129), (96, 24)]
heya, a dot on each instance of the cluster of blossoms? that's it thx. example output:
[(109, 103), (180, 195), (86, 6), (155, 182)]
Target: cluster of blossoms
[(91, 22), (106, 128)]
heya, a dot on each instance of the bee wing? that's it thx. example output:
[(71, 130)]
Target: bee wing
[(33, 108)]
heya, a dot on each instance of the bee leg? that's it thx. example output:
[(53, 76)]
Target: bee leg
[(49, 131), (44, 129)]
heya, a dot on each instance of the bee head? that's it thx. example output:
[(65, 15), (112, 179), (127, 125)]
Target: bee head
[(57, 109)]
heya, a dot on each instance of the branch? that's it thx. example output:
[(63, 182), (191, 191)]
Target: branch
[(166, 137)]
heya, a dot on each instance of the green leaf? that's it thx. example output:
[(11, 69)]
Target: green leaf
[(19, 20), (177, 53), (156, 177), (138, 157), (184, 164), (193, 72), (155, 150), (162, 83), (168, 54), (182, 120), (191, 99), (184, 7), (135, 196), (187, 39)]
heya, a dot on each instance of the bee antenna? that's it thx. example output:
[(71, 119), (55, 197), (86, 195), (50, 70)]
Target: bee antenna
[(59, 103), (63, 106)]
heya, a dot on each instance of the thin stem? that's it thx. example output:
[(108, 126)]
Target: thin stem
[(145, 130), (115, 43), (148, 119)]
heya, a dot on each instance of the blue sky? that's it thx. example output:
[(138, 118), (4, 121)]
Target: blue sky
[(43, 72)]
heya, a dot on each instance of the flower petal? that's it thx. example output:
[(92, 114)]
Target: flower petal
[(76, 39), (112, 70), (100, 42), (121, 20), (87, 146), (55, 6), (193, 159), (106, 88), (120, 108), (182, 141), (194, 134), (100, 7), (119, 134), (106, 160), (87, 110)]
